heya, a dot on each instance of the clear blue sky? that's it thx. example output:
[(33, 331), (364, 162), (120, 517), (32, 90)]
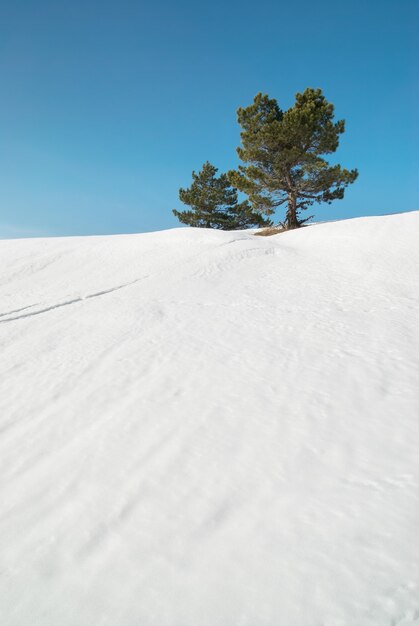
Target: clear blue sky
[(106, 107)]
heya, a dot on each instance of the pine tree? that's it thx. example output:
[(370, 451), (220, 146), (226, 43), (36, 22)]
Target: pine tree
[(282, 152), (214, 203)]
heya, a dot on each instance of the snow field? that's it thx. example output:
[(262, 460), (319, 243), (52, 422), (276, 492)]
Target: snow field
[(211, 428)]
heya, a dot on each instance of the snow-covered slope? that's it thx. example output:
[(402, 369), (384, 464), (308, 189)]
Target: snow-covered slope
[(203, 428)]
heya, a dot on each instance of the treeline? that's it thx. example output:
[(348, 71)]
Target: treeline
[(283, 165)]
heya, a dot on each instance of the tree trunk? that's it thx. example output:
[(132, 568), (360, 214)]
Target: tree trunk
[(291, 219)]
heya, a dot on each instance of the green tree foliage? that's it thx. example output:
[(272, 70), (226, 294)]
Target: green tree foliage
[(214, 203), (283, 155)]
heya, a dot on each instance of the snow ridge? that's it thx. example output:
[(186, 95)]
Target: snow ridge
[(213, 428)]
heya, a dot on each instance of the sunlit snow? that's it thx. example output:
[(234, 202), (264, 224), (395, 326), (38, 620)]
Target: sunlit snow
[(203, 428)]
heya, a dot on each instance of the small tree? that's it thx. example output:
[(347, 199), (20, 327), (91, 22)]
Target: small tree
[(283, 151), (215, 204)]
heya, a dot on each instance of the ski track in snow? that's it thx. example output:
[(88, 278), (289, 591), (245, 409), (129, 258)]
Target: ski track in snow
[(67, 303), (222, 432)]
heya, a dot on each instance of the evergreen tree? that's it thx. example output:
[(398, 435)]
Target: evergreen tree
[(282, 152), (214, 203)]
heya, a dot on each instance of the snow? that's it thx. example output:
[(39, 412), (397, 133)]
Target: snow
[(203, 428)]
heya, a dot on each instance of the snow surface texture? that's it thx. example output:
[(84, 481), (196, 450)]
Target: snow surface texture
[(204, 428)]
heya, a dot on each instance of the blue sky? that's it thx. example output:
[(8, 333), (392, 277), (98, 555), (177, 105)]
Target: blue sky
[(106, 107)]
